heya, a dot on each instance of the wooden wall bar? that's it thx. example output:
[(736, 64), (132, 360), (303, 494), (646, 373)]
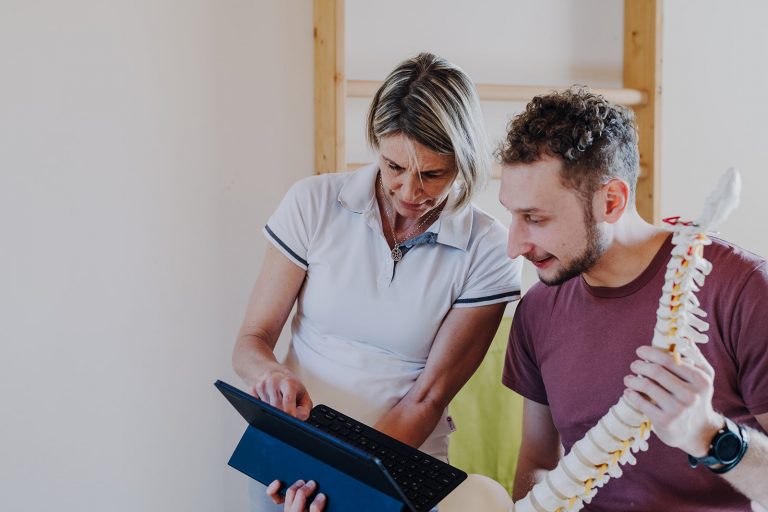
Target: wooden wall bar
[(517, 93), (642, 70), (330, 86)]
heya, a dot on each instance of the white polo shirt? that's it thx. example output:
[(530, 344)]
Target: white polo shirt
[(364, 324)]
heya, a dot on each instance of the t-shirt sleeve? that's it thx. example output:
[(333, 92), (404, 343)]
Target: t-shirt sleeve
[(750, 328), (291, 226), (493, 277), (521, 371)]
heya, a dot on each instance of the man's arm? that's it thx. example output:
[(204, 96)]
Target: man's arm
[(540, 450), (678, 400), (748, 477)]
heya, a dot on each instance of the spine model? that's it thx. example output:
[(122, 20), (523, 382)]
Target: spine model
[(624, 430)]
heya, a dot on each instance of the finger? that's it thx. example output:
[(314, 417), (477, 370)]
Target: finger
[(663, 399), (318, 503), (290, 494), (259, 391), (288, 394), (681, 380), (304, 405), (656, 355), (273, 491), (272, 393), (678, 384), (302, 495), (667, 360), (697, 357), (644, 405)]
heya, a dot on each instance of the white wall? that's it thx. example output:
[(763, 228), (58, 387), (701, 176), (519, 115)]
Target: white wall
[(142, 146), (715, 109)]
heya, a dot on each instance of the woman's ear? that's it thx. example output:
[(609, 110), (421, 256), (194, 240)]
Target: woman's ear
[(613, 199)]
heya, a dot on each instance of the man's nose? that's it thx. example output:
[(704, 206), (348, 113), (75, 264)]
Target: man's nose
[(517, 243)]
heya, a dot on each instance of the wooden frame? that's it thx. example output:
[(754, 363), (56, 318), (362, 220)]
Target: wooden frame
[(641, 76), (330, 85), (642, 70)]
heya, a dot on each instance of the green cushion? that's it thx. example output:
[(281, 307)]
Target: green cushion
[(488, 418)]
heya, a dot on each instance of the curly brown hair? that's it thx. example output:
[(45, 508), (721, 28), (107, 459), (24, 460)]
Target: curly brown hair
[(595, 139)]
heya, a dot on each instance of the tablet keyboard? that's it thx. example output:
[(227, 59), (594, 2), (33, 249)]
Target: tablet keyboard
[(424, 479)]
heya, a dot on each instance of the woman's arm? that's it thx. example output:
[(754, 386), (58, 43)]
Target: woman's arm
[(458, 349), (271, 302)]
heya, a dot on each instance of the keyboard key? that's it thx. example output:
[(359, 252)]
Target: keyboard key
[(433, 485), (423, 479)]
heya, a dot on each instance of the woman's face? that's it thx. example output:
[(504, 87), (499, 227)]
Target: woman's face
[(415, 179)]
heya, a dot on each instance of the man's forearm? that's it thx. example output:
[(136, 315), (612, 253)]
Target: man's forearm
[(749, 476), (528, 474)]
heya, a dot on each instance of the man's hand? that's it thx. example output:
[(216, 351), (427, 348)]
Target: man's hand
[(676, 397)]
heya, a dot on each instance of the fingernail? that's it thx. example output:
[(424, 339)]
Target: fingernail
[(311, 483), (320, 497)]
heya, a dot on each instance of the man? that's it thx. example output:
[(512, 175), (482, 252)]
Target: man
[(581, 337)]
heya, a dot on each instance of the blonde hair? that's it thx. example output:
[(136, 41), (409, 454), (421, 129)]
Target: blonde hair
[(433, 102)]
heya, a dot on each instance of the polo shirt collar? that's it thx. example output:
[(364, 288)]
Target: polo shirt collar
[(358, 195)]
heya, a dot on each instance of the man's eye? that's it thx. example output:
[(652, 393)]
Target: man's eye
[(532, 220)]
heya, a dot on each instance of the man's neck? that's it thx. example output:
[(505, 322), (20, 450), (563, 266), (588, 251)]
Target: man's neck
[(632, 245)]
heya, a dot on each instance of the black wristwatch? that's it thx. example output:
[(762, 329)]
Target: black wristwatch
[(727, 448)]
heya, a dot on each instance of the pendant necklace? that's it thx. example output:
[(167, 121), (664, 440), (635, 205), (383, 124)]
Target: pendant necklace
[(397, 253)]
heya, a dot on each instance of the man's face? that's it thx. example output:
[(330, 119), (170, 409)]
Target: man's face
[(551, 227)]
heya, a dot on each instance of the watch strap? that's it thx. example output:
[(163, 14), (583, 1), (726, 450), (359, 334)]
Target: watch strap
[(711, 458)]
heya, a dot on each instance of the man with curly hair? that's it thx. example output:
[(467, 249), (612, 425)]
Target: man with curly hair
[(582, 335)]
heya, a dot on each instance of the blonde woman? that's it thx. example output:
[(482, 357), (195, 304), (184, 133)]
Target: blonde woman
[(399, 281)]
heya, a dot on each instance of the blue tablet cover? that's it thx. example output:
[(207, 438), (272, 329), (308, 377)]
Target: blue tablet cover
[(277, 446)]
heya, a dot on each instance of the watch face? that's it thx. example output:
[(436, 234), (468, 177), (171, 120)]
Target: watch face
[(728, 447)]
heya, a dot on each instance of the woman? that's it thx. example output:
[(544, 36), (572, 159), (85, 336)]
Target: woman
[(400, 282)]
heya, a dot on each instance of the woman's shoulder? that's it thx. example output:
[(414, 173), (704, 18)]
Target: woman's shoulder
[(321, 183), (317, 191), (485, 225)]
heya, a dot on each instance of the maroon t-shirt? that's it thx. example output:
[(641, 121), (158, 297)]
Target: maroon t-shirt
[(571, 346)]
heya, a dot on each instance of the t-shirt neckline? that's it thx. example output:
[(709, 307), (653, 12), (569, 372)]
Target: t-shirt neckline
[(659, 260)]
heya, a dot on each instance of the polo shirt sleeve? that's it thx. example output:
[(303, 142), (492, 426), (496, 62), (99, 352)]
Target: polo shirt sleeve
[(292, 226), (750, 329), (521, 371), (492, 276)]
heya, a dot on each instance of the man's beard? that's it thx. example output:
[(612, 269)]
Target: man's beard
[(596, 246)]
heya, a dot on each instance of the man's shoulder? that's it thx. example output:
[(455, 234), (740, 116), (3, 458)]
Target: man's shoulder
[(541, 297), (732, 266), (724, 252)]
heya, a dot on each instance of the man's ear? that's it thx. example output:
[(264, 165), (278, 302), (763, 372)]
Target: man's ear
[(612, 200)]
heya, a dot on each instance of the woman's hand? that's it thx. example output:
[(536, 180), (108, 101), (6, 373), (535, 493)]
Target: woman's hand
[(296, 496), (279, 387)]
